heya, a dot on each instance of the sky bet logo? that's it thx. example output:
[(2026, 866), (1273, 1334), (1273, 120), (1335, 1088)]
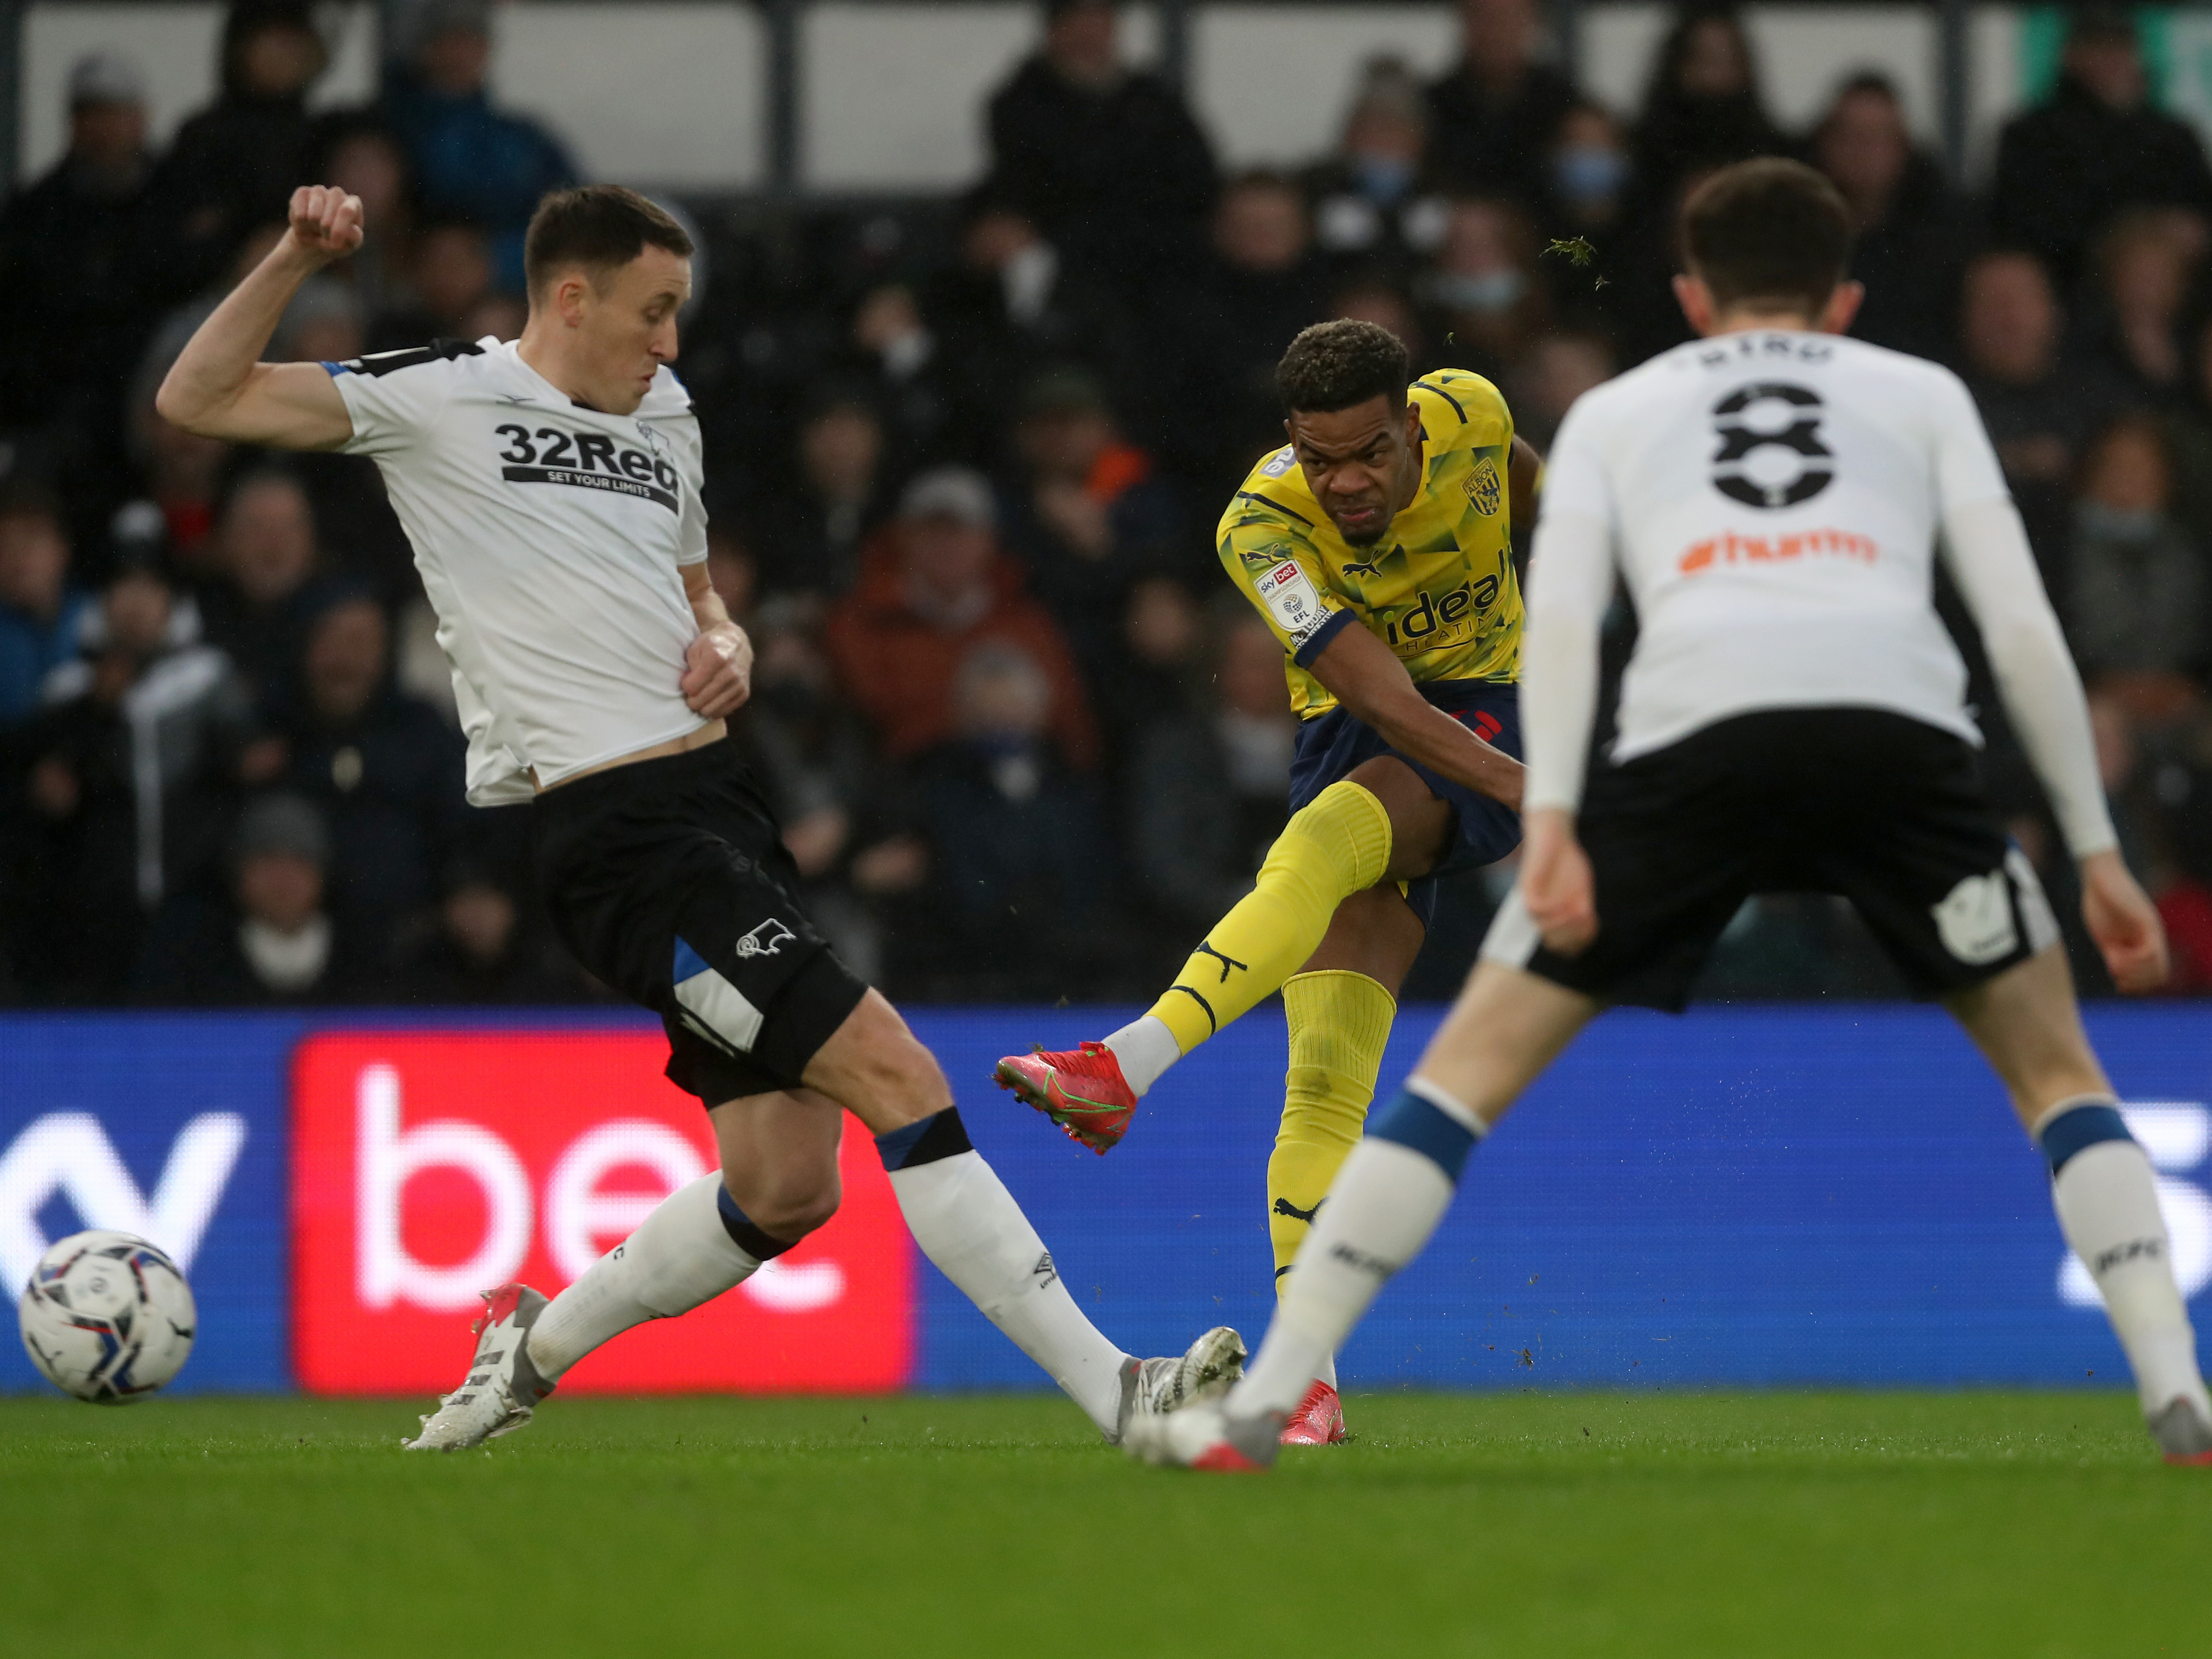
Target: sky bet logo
[(67, 1156), (1427, 618), (584, 460)]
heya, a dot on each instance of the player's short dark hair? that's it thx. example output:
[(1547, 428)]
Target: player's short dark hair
[(1333, 365), (601, 228), (1767, 229)]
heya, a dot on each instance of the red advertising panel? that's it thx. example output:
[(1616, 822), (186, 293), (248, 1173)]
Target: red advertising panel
[(429, 1166)]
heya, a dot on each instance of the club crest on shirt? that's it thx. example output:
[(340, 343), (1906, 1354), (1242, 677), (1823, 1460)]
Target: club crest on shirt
[(765, 940), (1483, 488)]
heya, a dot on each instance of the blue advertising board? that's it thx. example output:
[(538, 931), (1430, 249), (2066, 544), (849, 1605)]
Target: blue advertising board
[(1744, 1196)]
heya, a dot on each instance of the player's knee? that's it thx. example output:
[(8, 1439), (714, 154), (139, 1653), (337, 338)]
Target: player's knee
[(790, 1215)]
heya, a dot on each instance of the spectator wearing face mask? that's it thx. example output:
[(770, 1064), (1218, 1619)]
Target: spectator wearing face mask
[(1588, 178), (1483, 295), (2137, 615), (42, 613), (1018, 848), (1912, 237), (1496, 114), (269, 941), (1377, 202)]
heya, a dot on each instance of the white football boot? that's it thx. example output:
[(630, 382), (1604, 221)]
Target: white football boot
[(1206, 1437), (1153, 1388), (502, 1387)]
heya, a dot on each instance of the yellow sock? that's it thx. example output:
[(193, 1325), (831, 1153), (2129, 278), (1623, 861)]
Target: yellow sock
[(1339, 1022), (1336, 845)]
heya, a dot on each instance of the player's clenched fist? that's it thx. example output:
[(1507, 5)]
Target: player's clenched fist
[(718, 671), (326, 222)]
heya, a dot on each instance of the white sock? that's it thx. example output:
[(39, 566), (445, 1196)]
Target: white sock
[(1328, 1371), (1145, 1048), (1385, 1203), (680, 1256), (966, 1222), (2106, 1198)]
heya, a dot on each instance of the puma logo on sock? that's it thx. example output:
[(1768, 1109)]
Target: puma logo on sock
[(1284, 1207), (1227, 962)]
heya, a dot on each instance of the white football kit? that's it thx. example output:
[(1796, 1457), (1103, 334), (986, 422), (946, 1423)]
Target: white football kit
[(1772, 501), (1792, 717), (550, 537)]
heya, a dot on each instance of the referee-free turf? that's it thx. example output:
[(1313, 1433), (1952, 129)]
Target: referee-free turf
[(1522, 1524)]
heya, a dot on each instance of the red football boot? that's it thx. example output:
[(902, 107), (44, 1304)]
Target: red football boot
[(1319, 1419), (1082, 1091)]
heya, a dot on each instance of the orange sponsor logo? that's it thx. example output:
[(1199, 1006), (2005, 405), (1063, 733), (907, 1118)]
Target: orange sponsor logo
[(1733, 549)]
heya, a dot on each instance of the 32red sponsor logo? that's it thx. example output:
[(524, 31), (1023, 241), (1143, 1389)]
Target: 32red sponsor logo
[(428, 1166)]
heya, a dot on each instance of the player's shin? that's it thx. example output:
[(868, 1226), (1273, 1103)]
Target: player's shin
[(2106, 1197), (968, 1224), (694, 1245), (1337, 845), (1392, 1193), (1339, 1022)]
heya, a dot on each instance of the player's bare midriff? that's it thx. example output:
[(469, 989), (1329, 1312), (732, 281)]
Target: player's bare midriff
[(712, 732)]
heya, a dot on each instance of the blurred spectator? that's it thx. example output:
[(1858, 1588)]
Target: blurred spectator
[(449, 275), (933, 584), (234, 166), (1549, 376), (1482, 291), (1163, 667), (485, 949), (811, 753), (2142, 268), (1012, 305), (1263, 284), (270, 941), (2096, 146), (1104, 159), (1494, 118), (1371, 297), (1910, 229), (909, 386), (384, 770), (42, 613), (1208, 792), (2136, 609), (471, 161), (2039, 409), (1017, 843), (255, 609), (1590, 179), (131, 771), (357, 153), (2189, 440), (1374, 200), (73, 277), (1703, 109), (1085, 516), (812, 533)]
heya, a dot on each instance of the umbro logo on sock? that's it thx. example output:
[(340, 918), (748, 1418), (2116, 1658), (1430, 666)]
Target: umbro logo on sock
[(1284, 1207), (1364, 1262), (1044, 1273), (2119, 1255)]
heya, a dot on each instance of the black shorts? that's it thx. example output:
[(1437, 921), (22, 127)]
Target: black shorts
[(669, 880), (1885, 810)]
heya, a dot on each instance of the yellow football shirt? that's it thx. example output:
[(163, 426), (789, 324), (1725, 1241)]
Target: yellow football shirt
[(1438, 588)]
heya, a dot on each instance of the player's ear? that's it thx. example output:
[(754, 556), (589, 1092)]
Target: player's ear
[(1412, 423), (1843, 305), (1696, 301), (570, 295)]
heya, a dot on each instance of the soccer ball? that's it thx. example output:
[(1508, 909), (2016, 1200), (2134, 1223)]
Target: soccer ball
[(107, 1317)]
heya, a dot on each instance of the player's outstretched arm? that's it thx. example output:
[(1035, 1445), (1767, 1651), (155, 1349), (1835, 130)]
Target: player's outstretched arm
[(219, 388), (1370, 682)]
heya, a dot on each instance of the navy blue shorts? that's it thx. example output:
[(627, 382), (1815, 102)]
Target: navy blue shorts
[(1330, 745)]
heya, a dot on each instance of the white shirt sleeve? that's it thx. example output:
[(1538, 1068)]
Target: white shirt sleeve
[(392, 396), (684, 437), (1966, 467), (1570, 577), (1986, 550)]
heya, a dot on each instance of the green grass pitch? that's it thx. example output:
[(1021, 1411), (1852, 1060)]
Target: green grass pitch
[(1531, 1525)]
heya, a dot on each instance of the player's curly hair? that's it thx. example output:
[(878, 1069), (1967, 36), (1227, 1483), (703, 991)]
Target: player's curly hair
[(1333, 365)]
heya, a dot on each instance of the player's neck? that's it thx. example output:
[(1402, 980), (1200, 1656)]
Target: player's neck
[(1750, 320), (541, 350)]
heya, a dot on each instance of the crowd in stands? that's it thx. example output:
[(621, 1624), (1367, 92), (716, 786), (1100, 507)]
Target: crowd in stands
[(964, 461)]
